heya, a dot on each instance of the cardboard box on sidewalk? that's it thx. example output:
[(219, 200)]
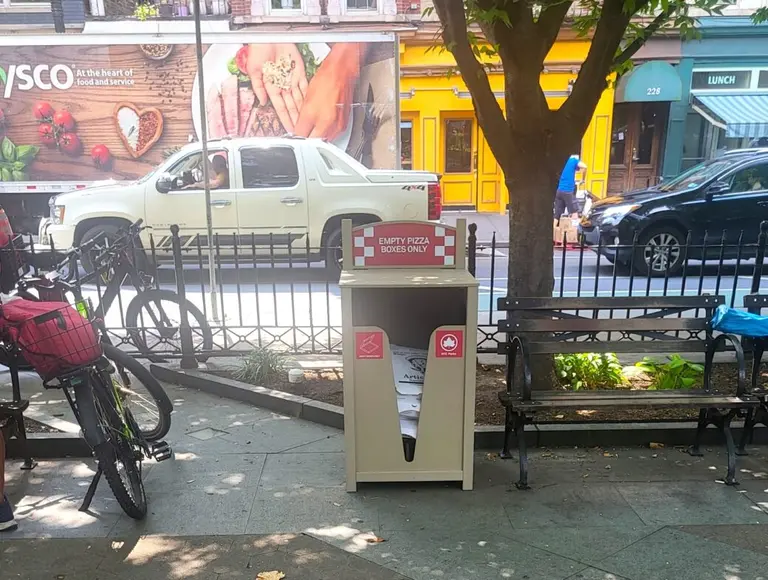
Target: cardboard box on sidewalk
[(569, 228)]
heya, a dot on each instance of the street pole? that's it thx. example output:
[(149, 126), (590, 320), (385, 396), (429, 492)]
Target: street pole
[(204, 139)]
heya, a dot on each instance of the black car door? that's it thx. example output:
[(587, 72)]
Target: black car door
[(741, 207)]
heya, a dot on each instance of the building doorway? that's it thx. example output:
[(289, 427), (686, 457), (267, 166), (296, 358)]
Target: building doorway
[(637, 140), (471, 175)]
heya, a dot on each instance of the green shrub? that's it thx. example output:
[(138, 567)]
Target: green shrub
[(588, 371), (263, 366), (678, 373)]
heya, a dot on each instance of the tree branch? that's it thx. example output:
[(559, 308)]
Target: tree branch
[(487, 110), (630, 50), (550, 21), (577, 110)]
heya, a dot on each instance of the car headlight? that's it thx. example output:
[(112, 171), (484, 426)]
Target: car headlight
[(57, 214), (613, 215)]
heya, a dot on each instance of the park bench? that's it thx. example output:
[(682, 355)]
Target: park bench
[(755, 303), (622, 325), (12, 419)]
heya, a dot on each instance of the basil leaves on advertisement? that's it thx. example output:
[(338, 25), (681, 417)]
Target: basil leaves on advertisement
[(15, 160)]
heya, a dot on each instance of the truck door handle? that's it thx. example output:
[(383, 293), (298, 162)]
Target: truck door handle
[(762, 203), (292, 200), (220, 203)]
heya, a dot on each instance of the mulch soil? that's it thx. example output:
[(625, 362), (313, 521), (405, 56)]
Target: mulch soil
[(326, 386), (32, 426)]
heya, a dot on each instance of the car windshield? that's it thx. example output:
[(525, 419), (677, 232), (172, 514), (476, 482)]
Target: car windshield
[(698, 174)]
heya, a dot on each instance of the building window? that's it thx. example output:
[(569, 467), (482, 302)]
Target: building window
[(17, 3), (285, 5), (406, 144), (361, 5), (458, 146)]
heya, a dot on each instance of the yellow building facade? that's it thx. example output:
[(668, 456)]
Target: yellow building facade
[(439, 131)]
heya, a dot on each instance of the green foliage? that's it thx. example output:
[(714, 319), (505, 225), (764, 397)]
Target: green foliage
[(15, 160), (144, 11), (678, 373), (262, 367), (589, 371)]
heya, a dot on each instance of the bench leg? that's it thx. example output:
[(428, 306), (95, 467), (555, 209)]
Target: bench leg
[(21, 434), (702, 425), (746, 434), (725, 427), (522, 451), (508, 432)]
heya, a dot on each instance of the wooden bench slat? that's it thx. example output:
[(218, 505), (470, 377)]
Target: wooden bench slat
[(656, 399), (621, 347), (609, 303), (602, 324)]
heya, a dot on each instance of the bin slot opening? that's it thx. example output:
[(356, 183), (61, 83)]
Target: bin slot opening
[(409, 366)]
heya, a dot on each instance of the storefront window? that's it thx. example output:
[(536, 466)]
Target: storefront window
[(406, 144), (693, 141), (619, 135), (458, 146), (649, 119)]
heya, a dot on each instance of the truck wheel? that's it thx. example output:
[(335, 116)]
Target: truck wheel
[(333, 255), (108, 231)]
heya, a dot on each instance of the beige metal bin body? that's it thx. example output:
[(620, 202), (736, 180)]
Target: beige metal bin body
[(423, 307)]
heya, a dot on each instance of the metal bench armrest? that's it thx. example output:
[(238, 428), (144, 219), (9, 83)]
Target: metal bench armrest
[(518, 346), (719, 340)]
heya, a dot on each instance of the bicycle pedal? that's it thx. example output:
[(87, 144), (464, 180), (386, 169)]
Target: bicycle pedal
[(161, 451)]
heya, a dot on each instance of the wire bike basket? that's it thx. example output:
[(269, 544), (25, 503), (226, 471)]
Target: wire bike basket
[(54, 337)]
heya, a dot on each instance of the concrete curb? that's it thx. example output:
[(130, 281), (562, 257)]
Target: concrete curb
[(486, 436), (500, 244), (49, 446)]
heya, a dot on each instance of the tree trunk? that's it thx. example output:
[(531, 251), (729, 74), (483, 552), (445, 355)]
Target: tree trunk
[(531, 198), (531, 182)]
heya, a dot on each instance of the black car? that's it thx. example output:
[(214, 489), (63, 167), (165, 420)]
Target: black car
[(723, 196)]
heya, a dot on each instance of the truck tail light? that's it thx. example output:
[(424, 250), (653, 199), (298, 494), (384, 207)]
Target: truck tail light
[(6, 231), (434, 201)]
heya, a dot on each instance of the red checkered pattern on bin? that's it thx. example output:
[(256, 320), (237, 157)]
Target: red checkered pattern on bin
[(443, 246)]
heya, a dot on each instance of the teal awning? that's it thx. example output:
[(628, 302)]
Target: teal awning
[(739, 115), (651, 82)]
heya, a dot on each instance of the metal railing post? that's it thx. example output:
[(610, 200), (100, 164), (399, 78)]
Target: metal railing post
[(472, 249), (188, 360), (757, 273)]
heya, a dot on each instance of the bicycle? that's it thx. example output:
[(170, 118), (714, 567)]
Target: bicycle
[(154, 417), (114, 264), (64, 346)]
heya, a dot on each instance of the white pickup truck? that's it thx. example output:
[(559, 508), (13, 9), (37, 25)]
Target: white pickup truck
[(277, 191)]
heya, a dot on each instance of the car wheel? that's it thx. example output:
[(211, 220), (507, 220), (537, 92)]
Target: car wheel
[(660, 251), (333, 255), (100, 232)]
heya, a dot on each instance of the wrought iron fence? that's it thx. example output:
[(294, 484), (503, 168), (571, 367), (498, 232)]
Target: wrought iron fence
[(273, 294)]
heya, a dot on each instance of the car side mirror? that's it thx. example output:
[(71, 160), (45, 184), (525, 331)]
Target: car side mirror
[(717, 188), (165, 183)]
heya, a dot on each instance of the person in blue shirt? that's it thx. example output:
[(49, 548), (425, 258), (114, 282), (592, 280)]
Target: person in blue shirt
[(565, 197)]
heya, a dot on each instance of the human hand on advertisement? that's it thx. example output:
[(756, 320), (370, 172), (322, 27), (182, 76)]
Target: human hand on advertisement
[(329, 96), (285, 87)]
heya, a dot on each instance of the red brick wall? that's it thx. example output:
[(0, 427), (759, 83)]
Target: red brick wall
[(241, 7)]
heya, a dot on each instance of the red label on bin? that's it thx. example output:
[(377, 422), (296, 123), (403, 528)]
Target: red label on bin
[(369, 344), (449, 343), (392, 244)]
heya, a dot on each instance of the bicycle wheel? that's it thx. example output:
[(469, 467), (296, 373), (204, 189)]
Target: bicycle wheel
[(153, 318), (142, 393), (114, 445)]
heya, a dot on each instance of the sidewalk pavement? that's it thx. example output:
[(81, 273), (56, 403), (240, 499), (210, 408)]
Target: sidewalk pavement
[(487, 225), (251, 491)]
